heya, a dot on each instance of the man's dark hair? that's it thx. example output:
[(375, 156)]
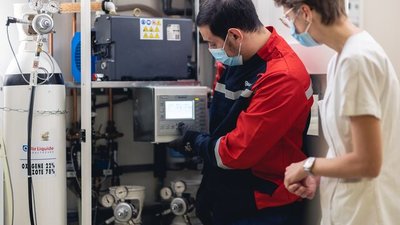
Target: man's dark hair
[(221, 15), (330, 10)]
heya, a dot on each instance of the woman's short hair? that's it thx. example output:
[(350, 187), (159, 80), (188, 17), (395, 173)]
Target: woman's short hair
[(330, 10)]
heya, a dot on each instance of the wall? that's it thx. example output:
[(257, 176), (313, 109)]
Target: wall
[(381, 20)]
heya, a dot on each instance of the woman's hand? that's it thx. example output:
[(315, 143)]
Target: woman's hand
[(294, 173)]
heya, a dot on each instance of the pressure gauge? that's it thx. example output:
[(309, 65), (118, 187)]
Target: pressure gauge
[(166, 193), (53, 7), (107, 200), (121, 192), (36, 4), (179, 206), (179, 187)]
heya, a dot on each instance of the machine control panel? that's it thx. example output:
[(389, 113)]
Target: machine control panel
[(159, 109), (189, 109)]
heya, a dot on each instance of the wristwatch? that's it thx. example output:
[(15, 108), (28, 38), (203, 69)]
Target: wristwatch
[(308, 164)]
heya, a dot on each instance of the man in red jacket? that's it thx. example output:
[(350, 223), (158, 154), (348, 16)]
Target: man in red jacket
[(261, 104)]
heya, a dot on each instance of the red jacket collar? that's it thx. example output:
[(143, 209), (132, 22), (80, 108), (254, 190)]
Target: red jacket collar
[(268, 51)]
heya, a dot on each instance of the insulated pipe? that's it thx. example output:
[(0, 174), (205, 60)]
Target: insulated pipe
[(94, 6), (151, 11)]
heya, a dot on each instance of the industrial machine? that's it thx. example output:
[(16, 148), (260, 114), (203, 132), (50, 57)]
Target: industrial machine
[(34, 101), (127, 204), (157, 110), (132, 48)]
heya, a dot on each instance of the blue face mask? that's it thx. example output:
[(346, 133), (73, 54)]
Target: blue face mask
[(304, 38), (220, 55)]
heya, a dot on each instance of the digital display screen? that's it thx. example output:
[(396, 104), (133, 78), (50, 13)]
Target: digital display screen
[(179, 110)]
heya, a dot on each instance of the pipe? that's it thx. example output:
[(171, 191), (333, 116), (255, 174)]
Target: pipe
[(51, 45), (145, 8), (74, 90), (168, 10), (94, 6)]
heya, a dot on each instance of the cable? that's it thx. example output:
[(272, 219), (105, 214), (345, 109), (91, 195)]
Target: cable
[(52, 65), (15, 57), (32, 214), (43, 79), (73, 167)]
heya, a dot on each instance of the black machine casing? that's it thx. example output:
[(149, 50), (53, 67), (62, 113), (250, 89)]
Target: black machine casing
[(123, 55)]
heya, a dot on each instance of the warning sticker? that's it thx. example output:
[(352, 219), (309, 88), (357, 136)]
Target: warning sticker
[(44, 161), (151, 29), (173, 32)]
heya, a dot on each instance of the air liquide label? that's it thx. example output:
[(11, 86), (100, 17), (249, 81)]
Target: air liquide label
[(43, 159)]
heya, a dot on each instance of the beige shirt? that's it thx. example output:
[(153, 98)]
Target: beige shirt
[(362, 81)]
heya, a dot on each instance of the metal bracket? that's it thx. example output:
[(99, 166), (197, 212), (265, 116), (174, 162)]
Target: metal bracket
[(82, 135)]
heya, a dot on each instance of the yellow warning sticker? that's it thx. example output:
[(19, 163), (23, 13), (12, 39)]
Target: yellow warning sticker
[(151, 29)]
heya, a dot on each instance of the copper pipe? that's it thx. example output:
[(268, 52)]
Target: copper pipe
[(73, 23), (75, 105), (74, 90), (51, 40)]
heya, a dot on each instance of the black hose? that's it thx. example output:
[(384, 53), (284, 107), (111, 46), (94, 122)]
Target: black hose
[(29, 157)]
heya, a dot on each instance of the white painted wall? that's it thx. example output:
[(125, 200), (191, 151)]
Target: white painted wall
[(381, 20)]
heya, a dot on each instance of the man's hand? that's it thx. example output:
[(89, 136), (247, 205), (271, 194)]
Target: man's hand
[(185, 143)]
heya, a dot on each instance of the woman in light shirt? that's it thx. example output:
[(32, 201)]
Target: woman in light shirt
[(360, 116)]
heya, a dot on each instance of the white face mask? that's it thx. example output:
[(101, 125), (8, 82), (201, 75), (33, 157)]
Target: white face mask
[(220, 55)]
